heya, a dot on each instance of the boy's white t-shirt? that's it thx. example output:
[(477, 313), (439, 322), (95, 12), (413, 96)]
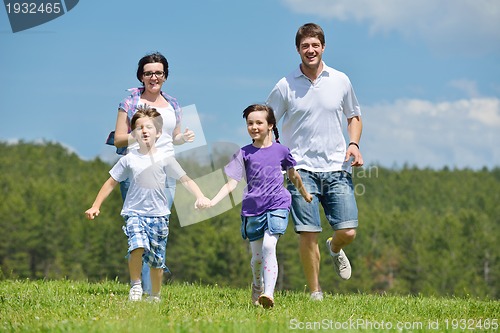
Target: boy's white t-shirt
[(147, 174), (312, 115)]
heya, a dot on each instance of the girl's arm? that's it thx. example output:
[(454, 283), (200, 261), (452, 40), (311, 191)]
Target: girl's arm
[(224, 191), (295, 178), (193, 188), (104, 192)]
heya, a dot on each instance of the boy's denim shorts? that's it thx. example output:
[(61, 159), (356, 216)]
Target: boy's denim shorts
[(334, 191), (149, 233), (254, 227)]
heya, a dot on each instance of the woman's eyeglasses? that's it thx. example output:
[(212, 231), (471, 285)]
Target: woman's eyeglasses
[(157, 73)]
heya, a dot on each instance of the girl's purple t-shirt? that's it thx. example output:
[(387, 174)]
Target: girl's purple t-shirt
[(262, 169)]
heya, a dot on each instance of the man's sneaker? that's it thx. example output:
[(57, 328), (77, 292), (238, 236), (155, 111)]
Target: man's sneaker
[(340, 262), (256, 292), (135, 293), (317, 296), (267, 302)]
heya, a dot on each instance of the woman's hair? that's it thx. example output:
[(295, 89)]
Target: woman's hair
[(309, 30), (149, 59), (147, 112), (271, 119)]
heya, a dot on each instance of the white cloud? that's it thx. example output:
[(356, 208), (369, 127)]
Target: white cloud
[(467, 86), (462, 133), (470, 26)]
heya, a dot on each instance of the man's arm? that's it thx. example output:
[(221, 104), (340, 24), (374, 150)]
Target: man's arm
[(354, 129)]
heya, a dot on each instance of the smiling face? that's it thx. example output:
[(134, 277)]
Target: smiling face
[(258, 127), (153, 82), (311, 52)]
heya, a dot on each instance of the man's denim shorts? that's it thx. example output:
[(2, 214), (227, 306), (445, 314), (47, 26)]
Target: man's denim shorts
[(334, 191), (149, 233), (254, 227)]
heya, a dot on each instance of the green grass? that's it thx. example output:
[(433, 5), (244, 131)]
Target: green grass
[(69, 306)]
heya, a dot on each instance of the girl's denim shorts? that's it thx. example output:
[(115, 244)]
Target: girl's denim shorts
[(253, 227)]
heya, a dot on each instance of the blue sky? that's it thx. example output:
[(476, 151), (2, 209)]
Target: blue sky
[(426, 72)]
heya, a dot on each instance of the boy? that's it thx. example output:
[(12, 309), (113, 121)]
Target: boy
[(145, 207)]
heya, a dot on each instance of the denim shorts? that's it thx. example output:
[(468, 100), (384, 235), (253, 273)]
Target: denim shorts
[(149, 233), (334, 191), (254, 227)]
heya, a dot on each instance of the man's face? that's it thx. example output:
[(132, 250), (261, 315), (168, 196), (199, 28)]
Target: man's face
[(311, 52)]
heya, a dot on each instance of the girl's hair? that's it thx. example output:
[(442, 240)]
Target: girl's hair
[(271, 119), (149, 59), (145, 111), (309, 30)]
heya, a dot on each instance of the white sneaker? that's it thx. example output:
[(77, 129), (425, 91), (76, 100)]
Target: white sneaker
[(317, 296), (135, 293), (153, 299), (340, 262)]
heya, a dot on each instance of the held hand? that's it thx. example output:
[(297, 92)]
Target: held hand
[(353, 151), (188, 135), (92, 213), (202, 203)]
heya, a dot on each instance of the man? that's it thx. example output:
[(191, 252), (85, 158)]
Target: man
[(312, 101)]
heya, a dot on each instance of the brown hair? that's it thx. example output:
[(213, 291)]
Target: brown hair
[(149, 59), (271, 119), (309, 30), (146, 111)]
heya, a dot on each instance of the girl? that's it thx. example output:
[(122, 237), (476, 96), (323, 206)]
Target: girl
[(266, 202)]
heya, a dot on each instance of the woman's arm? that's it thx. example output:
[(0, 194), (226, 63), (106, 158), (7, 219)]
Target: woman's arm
[(179, 138), (122, 136)]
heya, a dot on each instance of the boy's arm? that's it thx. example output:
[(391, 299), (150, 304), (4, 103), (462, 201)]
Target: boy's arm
[(295, 178), (104, 192), (192, 187), (224, 191)]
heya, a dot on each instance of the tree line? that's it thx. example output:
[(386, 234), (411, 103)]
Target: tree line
[(421, 231)]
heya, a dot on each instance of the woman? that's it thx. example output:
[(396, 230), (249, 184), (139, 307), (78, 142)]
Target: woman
[(152, 72)]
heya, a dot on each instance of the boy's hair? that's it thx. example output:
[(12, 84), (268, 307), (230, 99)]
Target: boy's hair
[(271, 119), (145, 111), (149, 59), (309, 30)]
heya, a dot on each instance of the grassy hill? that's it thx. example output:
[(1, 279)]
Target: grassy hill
[(68, 306)]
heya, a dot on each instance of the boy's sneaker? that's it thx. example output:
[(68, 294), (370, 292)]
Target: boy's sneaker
[(317, 296), (256, 292), (267, 302), (340, 262), (135, 293), (153, 299)]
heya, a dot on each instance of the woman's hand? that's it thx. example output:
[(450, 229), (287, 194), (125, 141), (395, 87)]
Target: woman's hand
[(188, 135)]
